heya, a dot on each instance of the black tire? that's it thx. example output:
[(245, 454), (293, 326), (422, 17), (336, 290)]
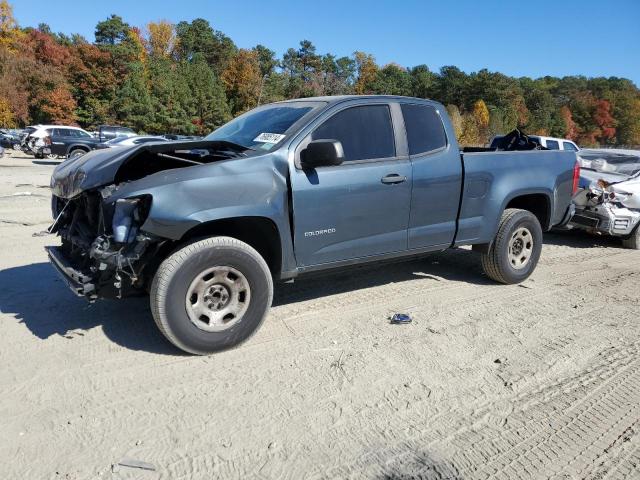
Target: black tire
[(176, 276), (633, 240), (76, 152), (497, 262)]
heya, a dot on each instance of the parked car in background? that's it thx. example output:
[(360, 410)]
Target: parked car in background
[(172, 136), (63, 141), (550, 143), (60, 141), (291, 188), (130, 141), (22, 140), (608, 201), (108, 132), (10, 137)]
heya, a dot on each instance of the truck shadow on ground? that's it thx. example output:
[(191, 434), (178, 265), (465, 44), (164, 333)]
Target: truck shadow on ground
[(46, 162), (457, 265), (580, 239), (40, 300), (418, 465)]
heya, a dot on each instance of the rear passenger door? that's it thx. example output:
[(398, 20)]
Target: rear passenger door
[(361, 207), (437, 178), (59, 140)]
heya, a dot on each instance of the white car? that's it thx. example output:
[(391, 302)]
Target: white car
[(551, 143), (555, 143), (608, 200)]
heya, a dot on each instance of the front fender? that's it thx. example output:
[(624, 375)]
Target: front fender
[(182, 200)]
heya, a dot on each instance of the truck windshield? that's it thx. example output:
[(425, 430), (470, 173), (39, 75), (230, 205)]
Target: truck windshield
[(264, 127)]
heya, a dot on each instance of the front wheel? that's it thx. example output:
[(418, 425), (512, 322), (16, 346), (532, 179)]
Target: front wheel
[(211, 295), (516, 249)]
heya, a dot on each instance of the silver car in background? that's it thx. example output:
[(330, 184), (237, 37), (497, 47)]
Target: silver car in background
[(131, 141), (608, 201)]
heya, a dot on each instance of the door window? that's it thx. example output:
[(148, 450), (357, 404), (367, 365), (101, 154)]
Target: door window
[(553, 145), (365, 132), (569, 146), (425, 131)]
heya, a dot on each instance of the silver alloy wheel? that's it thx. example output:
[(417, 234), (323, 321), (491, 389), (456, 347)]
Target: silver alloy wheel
[(217, 298), (520, 248), (52, 156)]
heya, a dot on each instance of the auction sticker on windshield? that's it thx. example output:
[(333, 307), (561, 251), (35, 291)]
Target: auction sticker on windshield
[(269, 138)]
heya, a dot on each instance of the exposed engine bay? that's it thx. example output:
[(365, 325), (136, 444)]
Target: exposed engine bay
[(103, 248), (608, 201), (102, 243)]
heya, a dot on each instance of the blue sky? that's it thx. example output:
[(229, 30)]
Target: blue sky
[(535, 38)]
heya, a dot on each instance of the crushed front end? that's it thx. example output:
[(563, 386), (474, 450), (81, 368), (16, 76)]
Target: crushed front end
[(608, 201), (103, 253), (605, 208)]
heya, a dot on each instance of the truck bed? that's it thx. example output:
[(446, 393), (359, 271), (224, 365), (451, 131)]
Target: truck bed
[(493, 179)]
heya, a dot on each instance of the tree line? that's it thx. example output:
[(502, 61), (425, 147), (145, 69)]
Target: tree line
[(188, 78)]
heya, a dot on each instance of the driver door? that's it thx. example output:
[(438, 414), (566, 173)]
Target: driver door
[(361, 207)]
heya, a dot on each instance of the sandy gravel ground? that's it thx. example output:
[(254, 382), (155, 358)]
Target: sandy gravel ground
[(540, 380)]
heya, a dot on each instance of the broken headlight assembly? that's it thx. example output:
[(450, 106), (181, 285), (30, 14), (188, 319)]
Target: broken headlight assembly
[(117, 256), (128, 215)]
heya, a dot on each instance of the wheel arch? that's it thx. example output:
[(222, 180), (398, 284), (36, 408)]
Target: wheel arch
[(538, 203), (261, 233), (77, 146)]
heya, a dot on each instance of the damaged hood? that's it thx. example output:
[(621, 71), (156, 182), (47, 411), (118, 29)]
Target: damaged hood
[(100, 167)]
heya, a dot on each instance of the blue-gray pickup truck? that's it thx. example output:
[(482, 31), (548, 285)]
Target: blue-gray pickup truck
[(293, 187)]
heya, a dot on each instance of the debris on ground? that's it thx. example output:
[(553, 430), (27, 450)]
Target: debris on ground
[(132, 463), (400, 319)]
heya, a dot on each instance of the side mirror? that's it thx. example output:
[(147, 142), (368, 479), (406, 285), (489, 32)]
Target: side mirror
[(321, 153)]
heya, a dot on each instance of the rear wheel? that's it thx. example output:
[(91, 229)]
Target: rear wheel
[(211, 295), (516, 249), (76, 152), (633, 241)]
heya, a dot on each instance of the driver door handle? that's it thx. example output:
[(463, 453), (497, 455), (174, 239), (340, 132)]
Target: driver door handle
[(393, 178)]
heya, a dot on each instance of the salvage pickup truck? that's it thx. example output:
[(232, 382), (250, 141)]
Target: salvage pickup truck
[(289, 188)]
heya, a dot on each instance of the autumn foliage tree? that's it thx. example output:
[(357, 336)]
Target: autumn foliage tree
[(242, 80), (7, 120), (190, 78)]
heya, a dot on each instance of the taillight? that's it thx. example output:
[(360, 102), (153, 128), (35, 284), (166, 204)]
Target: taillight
[(47, 140), (576, 177)]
